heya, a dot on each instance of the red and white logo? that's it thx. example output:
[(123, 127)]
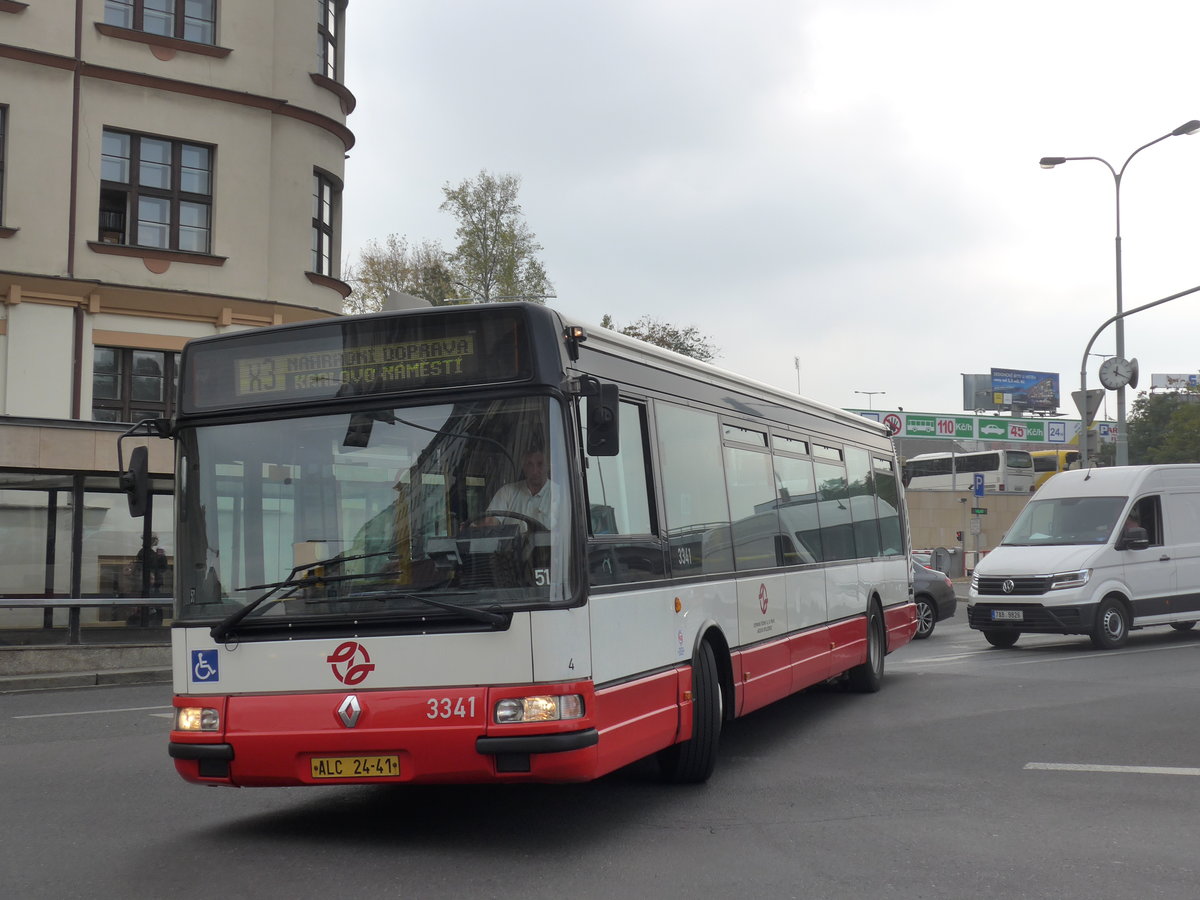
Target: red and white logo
[(762, 598), (892, 421), (351, 663)]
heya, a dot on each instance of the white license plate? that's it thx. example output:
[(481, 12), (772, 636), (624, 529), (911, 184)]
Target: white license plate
[(1007, 615)]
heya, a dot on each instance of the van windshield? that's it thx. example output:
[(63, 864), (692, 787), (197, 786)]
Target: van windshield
[(1067, 520)]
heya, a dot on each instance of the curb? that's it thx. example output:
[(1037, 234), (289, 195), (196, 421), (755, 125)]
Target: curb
[(42, 681)]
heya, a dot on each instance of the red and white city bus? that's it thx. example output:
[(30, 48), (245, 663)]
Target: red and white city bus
[(359, 599)]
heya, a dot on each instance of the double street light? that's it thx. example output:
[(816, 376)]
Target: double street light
[(1049, 162), (870, 397)]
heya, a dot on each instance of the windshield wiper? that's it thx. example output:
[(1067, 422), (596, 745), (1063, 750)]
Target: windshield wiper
[(222, 629), (472, 612)]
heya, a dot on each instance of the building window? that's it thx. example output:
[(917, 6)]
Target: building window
[(130, 385), (187, 20), (155, 192), (329, 27), (325, 197)]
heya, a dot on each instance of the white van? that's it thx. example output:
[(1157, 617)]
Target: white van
[(1096, 552)]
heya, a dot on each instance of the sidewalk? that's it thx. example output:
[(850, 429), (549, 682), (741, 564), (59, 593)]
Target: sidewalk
[(56, 664)]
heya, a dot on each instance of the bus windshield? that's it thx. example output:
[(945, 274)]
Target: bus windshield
[(1067, 520), (421, 512)]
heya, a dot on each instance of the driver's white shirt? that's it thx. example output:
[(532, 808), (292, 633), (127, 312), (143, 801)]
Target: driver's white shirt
[(516, 497)]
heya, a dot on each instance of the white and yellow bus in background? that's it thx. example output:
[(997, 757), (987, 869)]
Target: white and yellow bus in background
[(1050, 462), (1004, 471)]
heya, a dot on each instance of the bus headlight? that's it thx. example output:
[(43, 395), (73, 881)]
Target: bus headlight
[(197, 718), (1070, 579), (547, 708)]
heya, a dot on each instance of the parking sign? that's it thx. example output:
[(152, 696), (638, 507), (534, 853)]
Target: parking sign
[(978, 484)]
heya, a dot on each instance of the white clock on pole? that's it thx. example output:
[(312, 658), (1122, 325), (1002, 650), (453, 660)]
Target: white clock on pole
[(1116, 373)]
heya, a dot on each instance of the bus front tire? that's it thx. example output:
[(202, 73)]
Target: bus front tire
[(867, 678), (692, 761), (1001, 639)]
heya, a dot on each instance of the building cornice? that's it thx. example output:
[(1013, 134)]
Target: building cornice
[(273, 105), (150, 303)]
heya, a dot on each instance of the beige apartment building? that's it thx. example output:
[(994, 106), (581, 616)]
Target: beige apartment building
[(169, 169)]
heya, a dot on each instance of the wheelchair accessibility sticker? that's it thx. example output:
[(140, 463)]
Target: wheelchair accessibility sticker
[(204, 666)]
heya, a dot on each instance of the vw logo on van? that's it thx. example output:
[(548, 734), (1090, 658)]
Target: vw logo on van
[(1007, 586)]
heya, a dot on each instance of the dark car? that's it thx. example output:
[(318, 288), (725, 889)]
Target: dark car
[(933, 592)]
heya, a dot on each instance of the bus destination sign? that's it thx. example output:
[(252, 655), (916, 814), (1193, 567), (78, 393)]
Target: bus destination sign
[(365, 369), (356, 357)]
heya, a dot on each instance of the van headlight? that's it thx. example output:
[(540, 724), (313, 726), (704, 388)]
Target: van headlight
[(1070, 579)]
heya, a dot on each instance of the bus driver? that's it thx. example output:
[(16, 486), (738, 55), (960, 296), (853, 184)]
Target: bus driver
[(531, 495)]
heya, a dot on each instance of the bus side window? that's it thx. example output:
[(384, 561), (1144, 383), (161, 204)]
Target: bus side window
[(622, 547)]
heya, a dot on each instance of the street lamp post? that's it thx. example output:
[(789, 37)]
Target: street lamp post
[(870, 397), (1049, 162)]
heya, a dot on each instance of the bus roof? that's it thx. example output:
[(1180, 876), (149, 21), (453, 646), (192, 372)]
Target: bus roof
[(601, 338)]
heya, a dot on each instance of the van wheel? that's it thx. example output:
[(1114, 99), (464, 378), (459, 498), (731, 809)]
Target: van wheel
[(926, 618), (867, 678), (693, 760), (1111, 629), (1183, 626), (1001, 639)]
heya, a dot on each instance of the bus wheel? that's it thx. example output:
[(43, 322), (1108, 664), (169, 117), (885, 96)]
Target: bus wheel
[(1001, 639), (693, 760), (1111, 629), (1183, 626), (868, 677)]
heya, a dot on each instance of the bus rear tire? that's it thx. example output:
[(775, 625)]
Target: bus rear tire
[(867, 678), (692, 761)]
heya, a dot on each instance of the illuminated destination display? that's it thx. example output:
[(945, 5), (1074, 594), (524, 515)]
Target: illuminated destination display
[(379, 367), (355, 357)]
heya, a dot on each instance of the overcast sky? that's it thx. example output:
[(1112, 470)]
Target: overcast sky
[(851, 182)]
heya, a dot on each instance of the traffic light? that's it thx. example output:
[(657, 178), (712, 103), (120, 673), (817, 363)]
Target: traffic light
[(958, 536)]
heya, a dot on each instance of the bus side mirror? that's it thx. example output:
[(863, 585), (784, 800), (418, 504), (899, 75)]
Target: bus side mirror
[(135, 481), (603, 421)]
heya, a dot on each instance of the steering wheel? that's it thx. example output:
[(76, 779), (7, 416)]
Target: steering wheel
[(531, 524)]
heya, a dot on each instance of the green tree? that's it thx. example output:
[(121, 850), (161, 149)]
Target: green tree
[(688, 341), (496, 257), (1165, 428), (422, 270)]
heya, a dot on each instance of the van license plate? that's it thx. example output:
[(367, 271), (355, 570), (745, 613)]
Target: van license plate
[(1007, 615)]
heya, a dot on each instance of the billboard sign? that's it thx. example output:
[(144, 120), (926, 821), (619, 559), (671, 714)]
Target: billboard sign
[(1001, 429), (1174, 382), (1025, 390)]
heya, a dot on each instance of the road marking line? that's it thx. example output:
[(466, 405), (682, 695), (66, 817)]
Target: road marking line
[(1098, 654), (91, 712), (1132, 770)]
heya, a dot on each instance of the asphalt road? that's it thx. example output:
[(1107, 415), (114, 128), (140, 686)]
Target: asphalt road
[(1047, 770)]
